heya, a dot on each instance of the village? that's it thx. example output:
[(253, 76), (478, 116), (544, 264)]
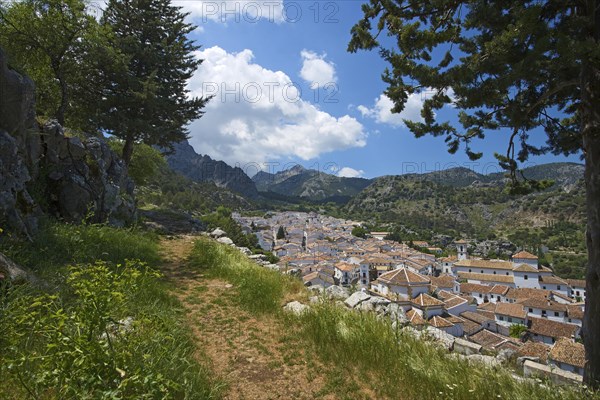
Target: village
[(516, 307)]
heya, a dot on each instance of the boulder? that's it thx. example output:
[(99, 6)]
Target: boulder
[(257, 257), (13, 272), (521, 360), (356, 298), (217, 233), (316, 288), (245, 250), (295, 307), (505, 355), (439, 336), (225, 240), (465, 347), (488, 361), (337, 292)]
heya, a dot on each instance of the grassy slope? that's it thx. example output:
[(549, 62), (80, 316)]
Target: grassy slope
[(54, 335), (389, 363)]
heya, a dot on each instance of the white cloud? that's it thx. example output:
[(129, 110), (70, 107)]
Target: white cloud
[(348, 172), (315, 70), (258, 116), (238, 11), (381, 110)]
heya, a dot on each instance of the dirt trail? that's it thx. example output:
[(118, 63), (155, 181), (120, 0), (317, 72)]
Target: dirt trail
[(256, 357)]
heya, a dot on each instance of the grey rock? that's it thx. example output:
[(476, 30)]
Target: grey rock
[(316, 288), (13, 272), (225, 240), (356, 298), (521, 360), (505, 354), (245, 250), (296, 307), (439, 336), (257, 257), (217, 233), (465, 347), (488, 361), (337, 292)]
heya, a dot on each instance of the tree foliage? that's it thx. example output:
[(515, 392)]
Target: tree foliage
[(145, 98), (50, 41), (509, 66), (359, 231)]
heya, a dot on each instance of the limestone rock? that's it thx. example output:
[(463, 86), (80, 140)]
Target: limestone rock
[(13, 272), (356, 298), (296, 307), (225, 240), (217, 233), (337, 292)]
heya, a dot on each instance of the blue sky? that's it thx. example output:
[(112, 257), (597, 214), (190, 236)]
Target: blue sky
[(287, 92)]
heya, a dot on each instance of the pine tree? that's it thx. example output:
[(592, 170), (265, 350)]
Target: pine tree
[(280, 233), (146, 97), (516, 68)]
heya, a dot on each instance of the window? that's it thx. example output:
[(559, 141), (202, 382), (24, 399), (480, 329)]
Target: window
[(501, 318), (469, 269), (577, 292), (556, 313), (479, 295), (544, 287), (507, 273), (364, 274), (509, 319), (498, 298), (482, 271), (531, 310), (494, 272), (558, 287), (525, 277)]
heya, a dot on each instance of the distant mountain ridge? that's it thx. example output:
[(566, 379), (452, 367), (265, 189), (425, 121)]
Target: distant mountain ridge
[(309, 184), (199, 168)]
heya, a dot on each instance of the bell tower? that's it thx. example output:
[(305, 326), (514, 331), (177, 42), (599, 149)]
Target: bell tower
[(461, 250)]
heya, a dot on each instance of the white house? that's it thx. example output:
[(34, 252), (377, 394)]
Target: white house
[(577, 289), (508, 314), (548, 331), (401, 282)]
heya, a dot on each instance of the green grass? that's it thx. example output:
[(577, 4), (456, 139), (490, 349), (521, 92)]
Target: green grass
[(394, 364), (62, 341), (260, 290)]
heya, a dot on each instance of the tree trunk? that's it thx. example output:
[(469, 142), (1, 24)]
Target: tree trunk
[(590, 129), (62, 109), (128, 150)]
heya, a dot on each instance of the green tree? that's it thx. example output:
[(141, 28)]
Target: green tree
[(280, 233), (359, 231), (146, 161), (48, 40), (516, 330), (146, 98), (513, 67)]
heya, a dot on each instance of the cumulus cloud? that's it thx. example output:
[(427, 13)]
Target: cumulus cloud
[(258, 115), (315, 70), (381, 110), (348, 172)]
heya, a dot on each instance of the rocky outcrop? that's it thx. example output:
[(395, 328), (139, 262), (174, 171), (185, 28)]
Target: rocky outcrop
[(71, 178), (85, 178), (13, 272), (187, 162)]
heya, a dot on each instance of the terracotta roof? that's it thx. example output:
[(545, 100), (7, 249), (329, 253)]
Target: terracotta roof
[(549, 328), (461, 241), (499, 289), (526, 293), (346, 267), (491, 307), (568, 352), (453, 302), (449, 259), (474, 287), (524, 255), (403, 276), (575, 311), (443, 281), (425, 300), (488, 339), (487, 277), (478, 263), (553, 280), (534, 349), (580, 283), (476, 317), (445, 295), (511, 309), (415, 318), (440, 322), (525, 268), (454, 319), (543, 304)]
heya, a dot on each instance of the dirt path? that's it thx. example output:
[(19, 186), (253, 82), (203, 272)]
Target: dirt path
[(256, 357)]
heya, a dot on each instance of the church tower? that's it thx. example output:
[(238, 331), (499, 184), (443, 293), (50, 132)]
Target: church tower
[(461, 249)]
